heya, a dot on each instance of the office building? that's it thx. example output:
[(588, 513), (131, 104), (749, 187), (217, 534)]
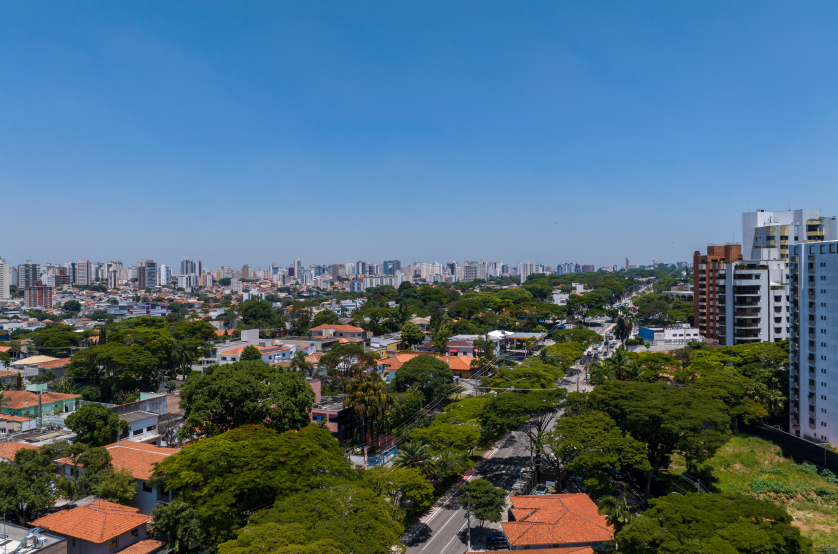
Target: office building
[(813, 344), (245, 272), (84, 273), (706, 269), (187, 267), (392, 266), (38, 295), (5, 279), (767, 235), (146, 274), (28, 273)]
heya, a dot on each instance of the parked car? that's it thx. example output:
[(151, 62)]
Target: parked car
[(497, 542), (541, 489)]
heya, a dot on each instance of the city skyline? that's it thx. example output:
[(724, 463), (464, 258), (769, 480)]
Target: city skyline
[(572, 131)]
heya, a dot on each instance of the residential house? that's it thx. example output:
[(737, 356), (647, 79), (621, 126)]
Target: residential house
[(142, 426), (459, 348), (423, 323), (460, 365), (13, 353), (25, 403), (390, 343), (556, 521), (12, 424), (270, 354), (9, 449), (138, 458), (330, 411), (29, 541), (339, 331), (101, 527), (8, 378)]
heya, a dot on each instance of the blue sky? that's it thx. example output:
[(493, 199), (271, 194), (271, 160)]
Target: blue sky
[(334, 131)]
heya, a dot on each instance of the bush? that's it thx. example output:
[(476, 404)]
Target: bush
[(634, 342)]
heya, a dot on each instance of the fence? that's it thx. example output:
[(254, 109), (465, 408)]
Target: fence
[(795, 446), (384, 458)]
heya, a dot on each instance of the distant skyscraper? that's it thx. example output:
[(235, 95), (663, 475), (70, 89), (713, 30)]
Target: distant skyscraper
[(392, 266), (199, 268), (525, 269), (165, 274), (146, 274), (187, 267), (5, 279), (28, 273), (298, 269), (245, 271), (84, 272), (627, 264)]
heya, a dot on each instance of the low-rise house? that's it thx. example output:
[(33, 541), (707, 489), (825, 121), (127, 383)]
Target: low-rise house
[(138, 458), (13, 353), (329, 411), (390, 343), (10, 448), (8, 378), (460, 365), (423, 323), (459, 348), (25, 403), (11, 424), (270, 354), (101, 528), (339, 331), (142, 426), (556, 521), (30, 541)]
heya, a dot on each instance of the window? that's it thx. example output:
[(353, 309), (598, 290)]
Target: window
[(147, 487), (151, 428), (135, 533), (138, 432), (74, 542), (113, 544)]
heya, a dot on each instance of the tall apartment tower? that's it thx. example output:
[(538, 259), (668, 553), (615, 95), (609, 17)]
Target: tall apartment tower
[(525, 269), (298, 269), (767, 235), (165, 274), (187, 267), (706, 269), (84, 272), (5, 279), (38, 295), (813, 344), (28, 273), (146, 274)]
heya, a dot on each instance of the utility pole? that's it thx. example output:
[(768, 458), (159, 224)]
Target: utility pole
[(468, 520)]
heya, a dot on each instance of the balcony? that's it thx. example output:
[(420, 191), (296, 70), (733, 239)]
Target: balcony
[(813, 348), (746, 323), (747, 312), (745, 334)]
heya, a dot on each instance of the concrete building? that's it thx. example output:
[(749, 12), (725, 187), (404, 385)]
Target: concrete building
[(84, 273), (5, 279), (187, 267), (813, 344), (164, 275), (22, 540), (37, 295), (28, 273), (146, 274), (707, 289), (525, 269), (767, 235)]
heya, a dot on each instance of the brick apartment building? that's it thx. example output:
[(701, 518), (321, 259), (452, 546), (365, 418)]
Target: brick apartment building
[(38, 295), (707, 288)]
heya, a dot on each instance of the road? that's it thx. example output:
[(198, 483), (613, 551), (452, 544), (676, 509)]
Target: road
[(445, 532)]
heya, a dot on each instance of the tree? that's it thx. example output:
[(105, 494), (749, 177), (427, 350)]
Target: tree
[(444, 436), (412, 334), (369, 399), (299, 363), (712, 523), (181, 523), (347, 361), (56, 340), (616, 511), (95, 425), (590, 443), (414, 455), (28, 484), (224, 476), (350, 514), (428, 374), (71, 306), (279, 539), (405, 488), (250, 353), (125, 367), (325, 317), (484, 500), (244, 393), (667, 419), (442, 334)]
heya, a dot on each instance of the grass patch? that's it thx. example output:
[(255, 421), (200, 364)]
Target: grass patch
[(756, 467)]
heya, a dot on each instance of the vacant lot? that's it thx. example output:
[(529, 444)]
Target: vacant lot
[(749, 465)]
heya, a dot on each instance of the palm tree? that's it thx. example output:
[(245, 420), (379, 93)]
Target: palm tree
[(181, 355), (623, 367), (447, 463), (299, 363), (624, 326), (414, 455), (369, 398), (616, 511)]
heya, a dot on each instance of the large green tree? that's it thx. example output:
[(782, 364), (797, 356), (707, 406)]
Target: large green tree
[(428, 374), (226, 476), (482, 499), (95, 425), (412, 334), (368, 397), (28, 485), (407, 489), (713, 524), (241, 393), (666, 418)]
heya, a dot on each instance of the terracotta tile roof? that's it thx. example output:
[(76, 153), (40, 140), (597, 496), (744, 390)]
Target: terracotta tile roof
[(344, 340), (561, 550), (145, 547), (19, 399), (97, 522), (8, 449), (554, 520), (16, 419), (262, 349), (60, 362), (456, 363), (345, 328), (8, 374), (137, 457)]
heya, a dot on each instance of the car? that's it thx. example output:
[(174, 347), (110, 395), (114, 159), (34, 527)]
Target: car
[(497, 542), (541, 489)]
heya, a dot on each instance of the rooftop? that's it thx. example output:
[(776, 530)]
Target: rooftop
[(9, 449), (15, 534), (137, 457), (132, 417), (554, 520), (330, 403), (20, 399), (97, 522)]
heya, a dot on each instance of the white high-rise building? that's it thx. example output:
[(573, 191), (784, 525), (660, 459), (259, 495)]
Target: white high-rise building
[(525, 269), (164, 275), (5, 279), (187, 267), (84, 272), (767, 235), (813, 344)]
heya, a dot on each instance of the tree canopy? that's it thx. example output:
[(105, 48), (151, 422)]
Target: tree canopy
[(427, 374), (95, 425)]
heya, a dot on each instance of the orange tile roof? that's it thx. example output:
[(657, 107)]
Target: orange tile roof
[(15, 418), (143, 547), (556, 519), (561, 550), (344, 340), (97, 522), (60, 362), (8, 449), (8, 373), (263, 349), (137, 457), (456, 363), (19, 399), (350, 328)]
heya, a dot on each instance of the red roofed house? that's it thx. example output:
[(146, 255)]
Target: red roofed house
[(339, 331), (138, 458), (101, 528), (556, 521), (8, 377), (270, 354), (460, 365), (25, 403), (9, 449), (12, 424)]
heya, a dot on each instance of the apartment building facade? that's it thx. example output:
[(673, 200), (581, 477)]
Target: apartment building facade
[(768, 235), (5, 279), (38, 295), (706, 269), (813, 344)]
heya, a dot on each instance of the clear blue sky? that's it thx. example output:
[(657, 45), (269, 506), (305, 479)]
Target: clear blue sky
[(254, 133)]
